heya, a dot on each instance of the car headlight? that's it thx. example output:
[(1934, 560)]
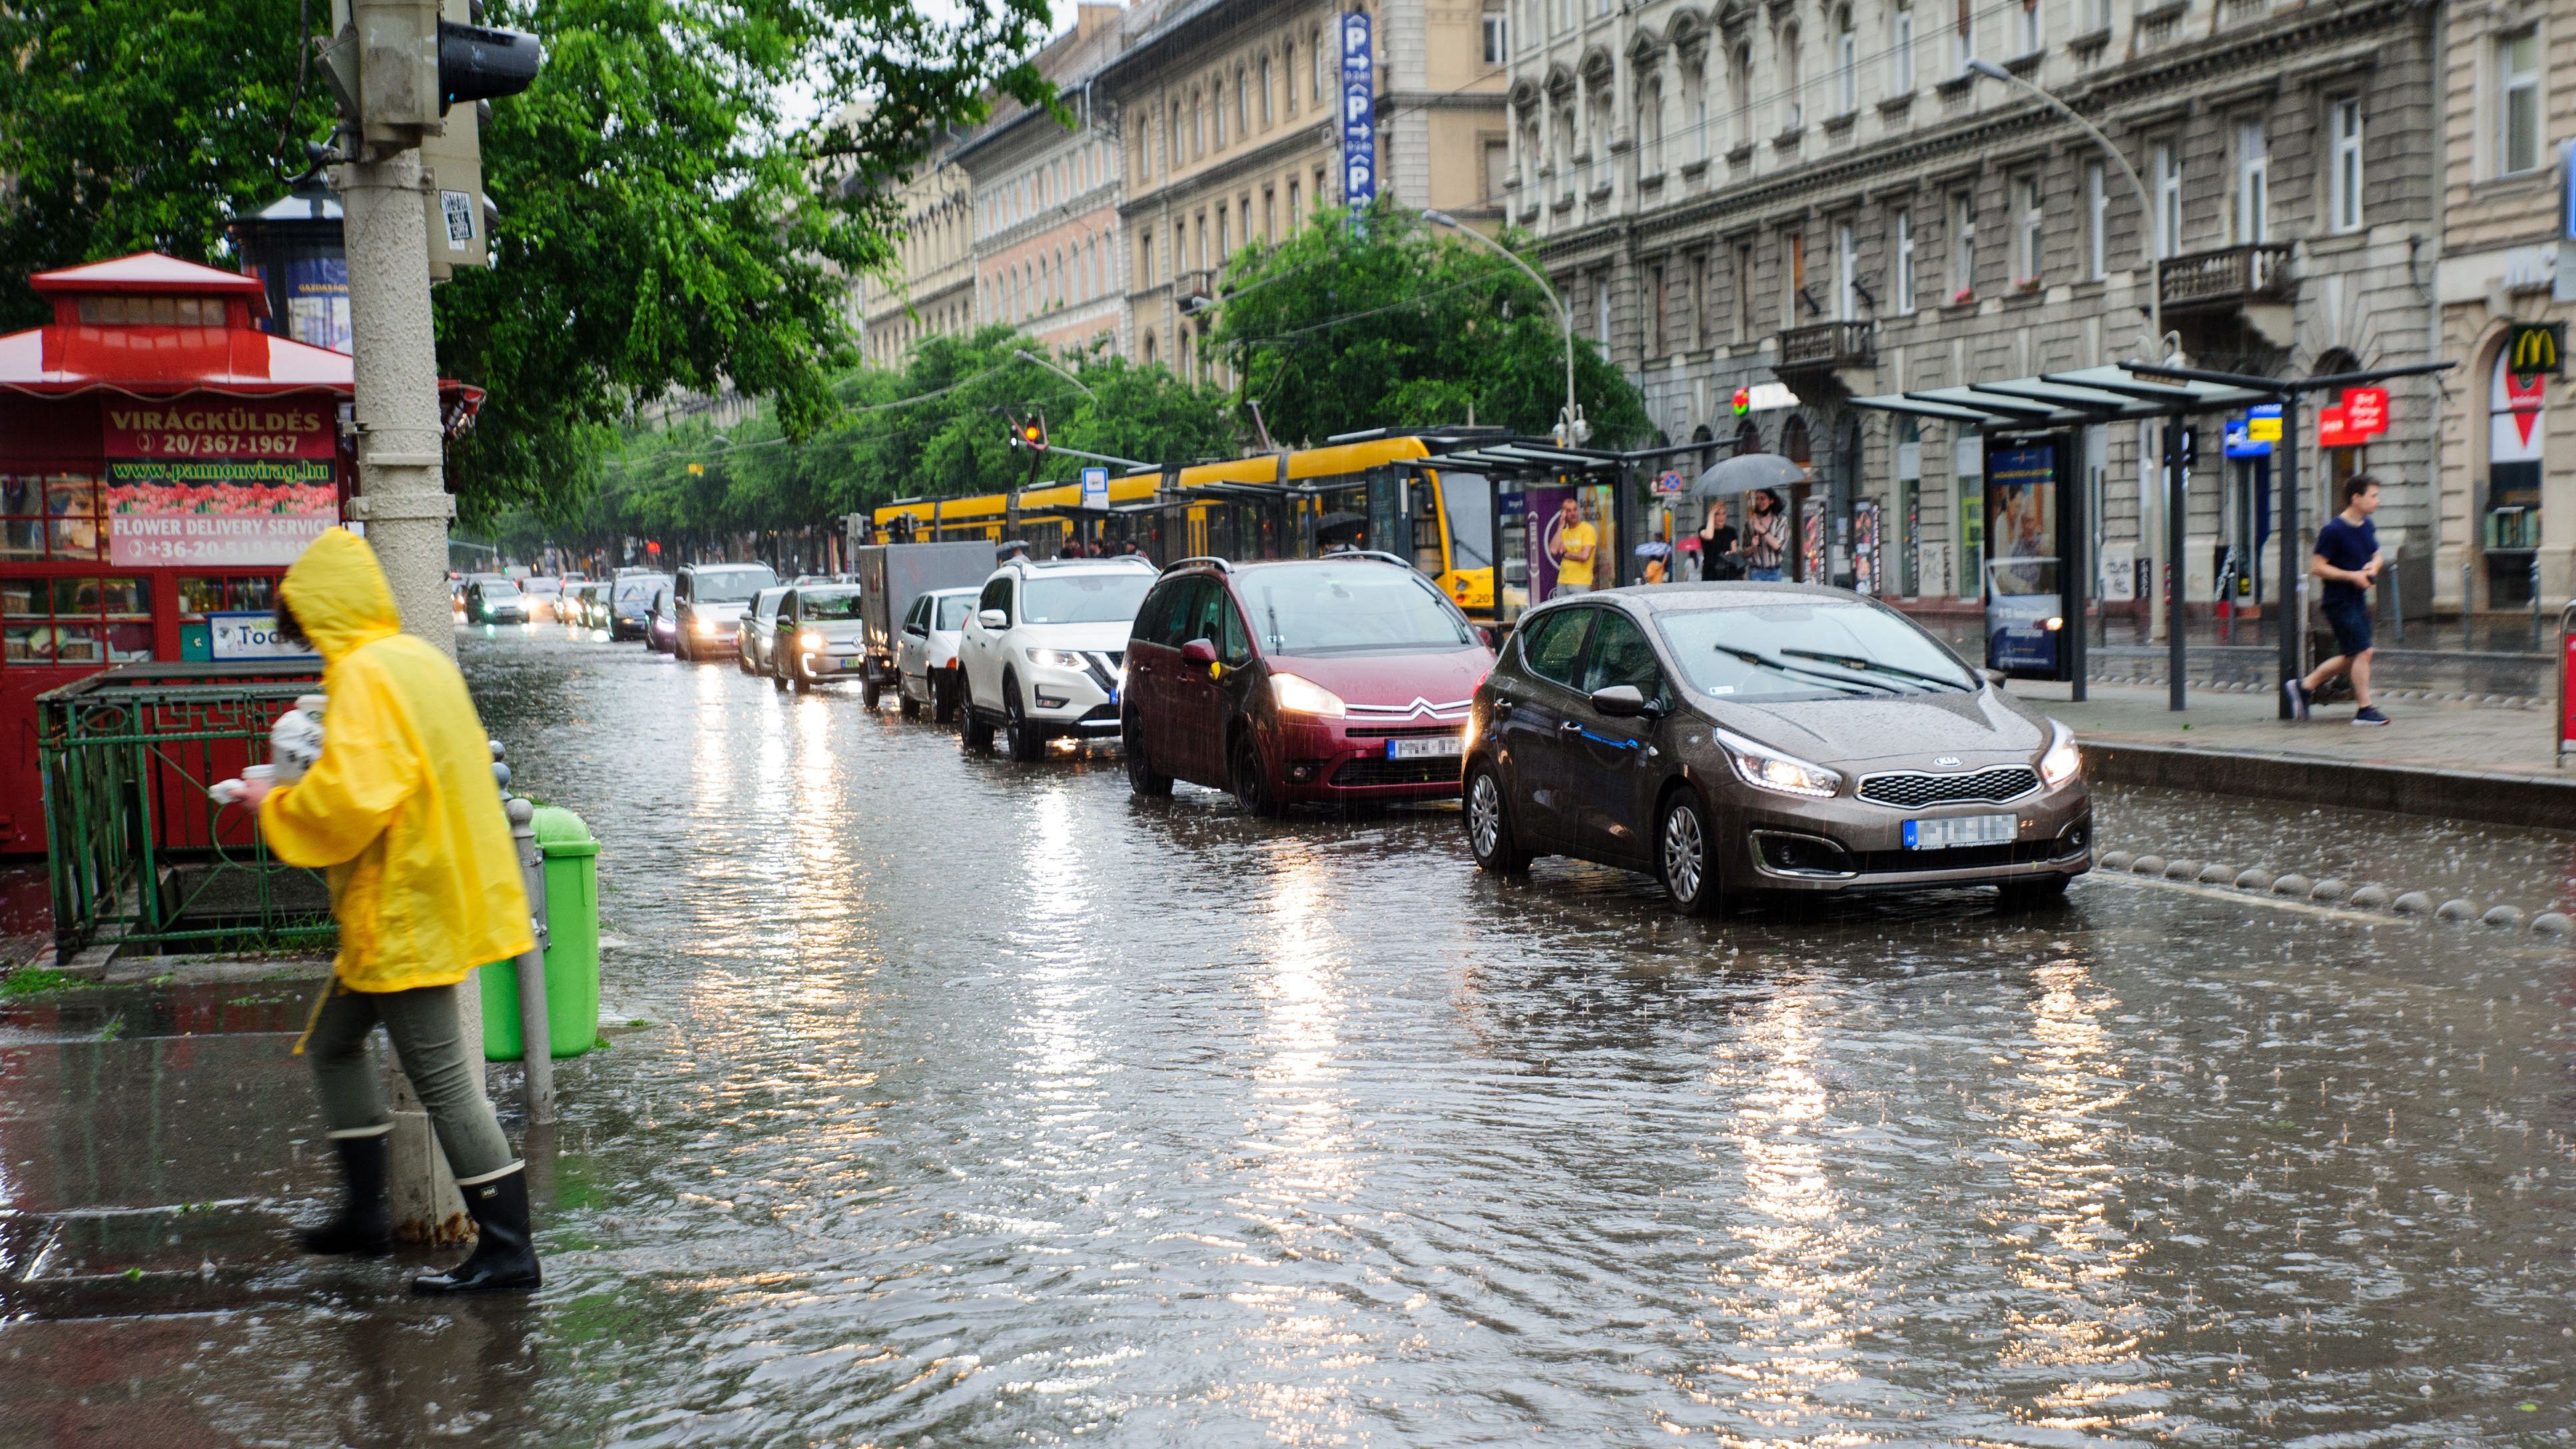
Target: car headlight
[(1054, 658), (705, 625), (810, 640), (2062, 762), (1305, 696), (1765, 768)]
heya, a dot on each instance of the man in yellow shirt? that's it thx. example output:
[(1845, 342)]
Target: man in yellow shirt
[(401, 810), (1576, 543)]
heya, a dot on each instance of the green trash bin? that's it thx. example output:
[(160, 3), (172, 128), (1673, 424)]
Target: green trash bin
[(571, 858)]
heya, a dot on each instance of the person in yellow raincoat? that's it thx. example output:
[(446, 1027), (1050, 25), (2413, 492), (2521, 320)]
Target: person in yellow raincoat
[(402, 812)]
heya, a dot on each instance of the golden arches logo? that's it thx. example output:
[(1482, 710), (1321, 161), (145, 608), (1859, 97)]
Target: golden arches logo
[(2533, 350)]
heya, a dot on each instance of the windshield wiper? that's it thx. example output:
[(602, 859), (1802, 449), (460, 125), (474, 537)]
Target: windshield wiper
[(1756, 656), (1848, 661)]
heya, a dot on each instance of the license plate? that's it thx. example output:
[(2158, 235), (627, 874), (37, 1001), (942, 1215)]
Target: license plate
[(1429, 747), (850, 663), (1962, 830)]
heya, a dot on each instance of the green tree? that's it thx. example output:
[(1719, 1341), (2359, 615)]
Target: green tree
[(1386, 323)]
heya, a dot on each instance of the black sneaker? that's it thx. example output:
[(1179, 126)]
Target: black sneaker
[(2369, 714), (2298, 696)]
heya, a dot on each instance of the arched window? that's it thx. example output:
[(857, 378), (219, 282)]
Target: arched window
[(1748, 437), (1149, 349), (1846, 64), (1900, 50), (1315, 52), (1739, 91), (1265, 90), (1695, 108), (1242, 107), (1198, 124), (1793, 112), (1216, 88), (1650, 129)]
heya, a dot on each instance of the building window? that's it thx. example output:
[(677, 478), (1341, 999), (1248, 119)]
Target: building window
[(1963, 247), (1739, 92), (1269, 214), (1793, 112), (1846, 273), (1497, 36), (2343, 167), (1242, 107), (1900, 51), (1222, 246), (1498, 168), (1216, 90), (1145, 258), (1265, 91), (1695, 302), (1198, 125), (1743, 291), (82, 622), (1846, 64), (1657, 299), (1963, 40), (2167, 163), (2028, 28), (1601, 308), (2518, 114), (2026, 232), (1650, 130), (1695, 108), (2253, 185), (1904, 260), (2517, 440), (1288, 75), (1315, 53), (1296, 213), (1793, 276), (57, 515)]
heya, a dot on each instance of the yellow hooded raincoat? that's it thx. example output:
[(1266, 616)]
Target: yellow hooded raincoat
[(401, 808)]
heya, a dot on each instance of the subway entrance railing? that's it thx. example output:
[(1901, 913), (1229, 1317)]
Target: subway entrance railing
[(137, 855)]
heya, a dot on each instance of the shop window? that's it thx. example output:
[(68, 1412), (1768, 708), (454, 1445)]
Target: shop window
[(200, 596), (54, 515), (75, 622)]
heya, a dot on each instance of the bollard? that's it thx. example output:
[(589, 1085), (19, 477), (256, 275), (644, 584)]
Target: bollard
[(2565, 733), (2468, 599), (536, 1033)]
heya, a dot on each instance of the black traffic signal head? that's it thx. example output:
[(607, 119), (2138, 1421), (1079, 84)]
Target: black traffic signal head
[(479, 63)]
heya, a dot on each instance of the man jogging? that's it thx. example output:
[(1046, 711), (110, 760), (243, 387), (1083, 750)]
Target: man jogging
[(2347, 558), (401, 810)]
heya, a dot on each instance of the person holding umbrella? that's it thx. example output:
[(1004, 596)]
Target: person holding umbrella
[(1766, 540)]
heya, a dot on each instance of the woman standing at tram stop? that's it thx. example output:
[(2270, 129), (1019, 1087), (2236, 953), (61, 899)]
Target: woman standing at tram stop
[(401, 810)]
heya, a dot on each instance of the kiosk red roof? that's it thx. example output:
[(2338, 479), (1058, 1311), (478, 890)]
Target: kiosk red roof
[(160, 345)]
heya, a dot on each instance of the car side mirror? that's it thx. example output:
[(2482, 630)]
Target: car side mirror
[(1198, 651), (993, 618), (1620, 701)]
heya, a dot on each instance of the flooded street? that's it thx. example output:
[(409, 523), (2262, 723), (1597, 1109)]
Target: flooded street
[(973, 1103)]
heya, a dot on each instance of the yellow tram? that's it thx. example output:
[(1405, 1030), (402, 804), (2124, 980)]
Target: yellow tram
[(1288, 504)]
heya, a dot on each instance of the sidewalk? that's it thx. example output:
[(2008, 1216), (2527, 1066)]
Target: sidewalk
[(2466, 761)]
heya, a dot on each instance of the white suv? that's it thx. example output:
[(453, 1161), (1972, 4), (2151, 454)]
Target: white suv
[(1045, 651)]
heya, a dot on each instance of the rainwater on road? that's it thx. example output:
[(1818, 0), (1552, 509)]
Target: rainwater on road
[(976, 1103)]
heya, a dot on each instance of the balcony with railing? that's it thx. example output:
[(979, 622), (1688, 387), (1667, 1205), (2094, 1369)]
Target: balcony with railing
[(1826, 346), (2236, 276)]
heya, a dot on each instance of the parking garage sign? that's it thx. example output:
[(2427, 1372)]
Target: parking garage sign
[(1359, 113)]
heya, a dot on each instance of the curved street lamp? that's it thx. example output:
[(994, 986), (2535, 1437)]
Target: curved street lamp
[(1571, 428), (2156, 336)]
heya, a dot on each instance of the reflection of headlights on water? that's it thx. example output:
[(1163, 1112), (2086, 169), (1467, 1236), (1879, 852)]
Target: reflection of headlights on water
[(2063, 762), (1766, 768), (810, 640)]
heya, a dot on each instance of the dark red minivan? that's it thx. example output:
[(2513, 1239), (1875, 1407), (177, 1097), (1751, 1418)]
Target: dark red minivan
[(1341, 678)]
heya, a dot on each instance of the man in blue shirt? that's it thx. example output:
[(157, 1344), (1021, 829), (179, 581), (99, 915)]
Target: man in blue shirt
[(2347, 559)]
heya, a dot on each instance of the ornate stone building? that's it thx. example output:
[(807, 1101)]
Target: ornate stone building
[(1819, 193), (935, 293)]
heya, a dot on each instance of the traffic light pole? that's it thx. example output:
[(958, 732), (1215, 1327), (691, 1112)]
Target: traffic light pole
[(405, 508)]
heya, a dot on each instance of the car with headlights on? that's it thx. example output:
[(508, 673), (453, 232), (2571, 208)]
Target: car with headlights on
[(926, 657), (707, 603), (1757, 738), (756, 644), (495, 600), (1343, 678), (630, 604), (1043, 653), (817, 633)]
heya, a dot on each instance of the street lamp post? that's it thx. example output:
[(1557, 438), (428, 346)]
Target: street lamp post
[(1571, 429)]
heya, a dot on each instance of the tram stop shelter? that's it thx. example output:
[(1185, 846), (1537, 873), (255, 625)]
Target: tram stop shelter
[(2037, 569)]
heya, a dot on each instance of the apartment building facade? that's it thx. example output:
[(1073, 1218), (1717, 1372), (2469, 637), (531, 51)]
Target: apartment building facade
[(2507, 291), (933, 290), (1046, 200), (1227, 126), (1819, 193)]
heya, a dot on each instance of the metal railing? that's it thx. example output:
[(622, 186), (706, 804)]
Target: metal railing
[(1829, 344), (136, 854), (2252, 273)]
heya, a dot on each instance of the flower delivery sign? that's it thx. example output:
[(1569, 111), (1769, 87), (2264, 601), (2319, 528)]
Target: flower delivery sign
[(228, 484)]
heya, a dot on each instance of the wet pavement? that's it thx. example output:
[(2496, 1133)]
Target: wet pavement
[(977, 1103)]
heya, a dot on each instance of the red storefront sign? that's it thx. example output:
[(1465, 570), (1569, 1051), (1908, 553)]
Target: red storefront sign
[(217, 483), (2360, 417)]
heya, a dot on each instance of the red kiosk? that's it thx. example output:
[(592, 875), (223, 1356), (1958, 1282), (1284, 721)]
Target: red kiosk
[(162, 460)]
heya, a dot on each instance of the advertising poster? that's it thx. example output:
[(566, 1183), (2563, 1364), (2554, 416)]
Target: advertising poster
[(1545, 509), (317, 302), (218, 482), (1811, 540), (1865, 526), (2021, 571)]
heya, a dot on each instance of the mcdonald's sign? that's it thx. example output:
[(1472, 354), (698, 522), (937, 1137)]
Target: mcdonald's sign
[(2534, 349)]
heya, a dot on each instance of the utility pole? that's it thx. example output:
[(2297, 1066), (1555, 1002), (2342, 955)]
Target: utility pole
[(398, 69)]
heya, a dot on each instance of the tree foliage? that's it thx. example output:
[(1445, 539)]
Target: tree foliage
[(1387, 323), (939, 426)]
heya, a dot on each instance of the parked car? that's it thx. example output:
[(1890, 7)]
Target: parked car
[(926, 660), (818, 635), (1043, 653), (1344, 678), (630, 604), (543, 596), (754, 644), (495, 601), (1759, 738), (707, 601)]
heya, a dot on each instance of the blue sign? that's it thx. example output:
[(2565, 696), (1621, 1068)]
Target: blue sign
[(1095, 488), (1359, 112)]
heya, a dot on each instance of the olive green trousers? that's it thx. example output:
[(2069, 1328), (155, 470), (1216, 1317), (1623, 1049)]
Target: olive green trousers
[(444, 1069)]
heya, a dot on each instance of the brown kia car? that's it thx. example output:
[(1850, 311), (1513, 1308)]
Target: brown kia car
[(1746, 738)]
